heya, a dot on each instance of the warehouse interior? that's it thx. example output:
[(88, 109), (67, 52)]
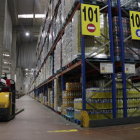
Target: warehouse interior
[(74, 68)]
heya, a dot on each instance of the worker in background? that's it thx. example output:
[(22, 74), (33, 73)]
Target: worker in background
[(4, 76)]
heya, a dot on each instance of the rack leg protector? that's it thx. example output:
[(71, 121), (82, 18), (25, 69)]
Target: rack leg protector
[(84, 119)]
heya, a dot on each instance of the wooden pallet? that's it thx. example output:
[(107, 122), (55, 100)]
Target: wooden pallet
[(77, 121)]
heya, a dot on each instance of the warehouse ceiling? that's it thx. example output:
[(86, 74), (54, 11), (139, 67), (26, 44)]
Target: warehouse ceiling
[(27, 16), (24, 24)]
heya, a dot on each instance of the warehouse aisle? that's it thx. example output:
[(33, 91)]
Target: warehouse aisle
[(39, 123)]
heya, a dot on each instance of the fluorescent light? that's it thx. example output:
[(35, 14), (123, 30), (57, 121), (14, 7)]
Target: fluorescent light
[(6, 55), (26, 69), (31, 16), (25, 16), (40, 15), (5, 62), (27, 34)]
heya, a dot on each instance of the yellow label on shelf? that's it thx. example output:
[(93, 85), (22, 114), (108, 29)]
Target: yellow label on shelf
[(135, 24), (90, 20)]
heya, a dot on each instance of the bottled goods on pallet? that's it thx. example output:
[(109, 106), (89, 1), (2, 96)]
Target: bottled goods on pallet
[(105, 93), (73, 90), (71, 94), (97, 103), (129, 112), (119, 84), (131, 93), (93, 114), (133, 44), (70, 112), (131, 103), (76, 86)]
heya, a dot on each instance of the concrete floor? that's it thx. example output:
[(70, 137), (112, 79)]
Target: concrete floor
[(38, 122)]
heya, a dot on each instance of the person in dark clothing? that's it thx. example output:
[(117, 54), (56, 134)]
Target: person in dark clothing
[(4, 76), (8, 84)]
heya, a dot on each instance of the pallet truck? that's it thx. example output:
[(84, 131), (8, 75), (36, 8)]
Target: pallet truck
[(7, 101)]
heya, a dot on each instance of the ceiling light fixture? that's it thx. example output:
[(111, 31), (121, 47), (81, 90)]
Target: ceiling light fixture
[(27, 34), (26, 16), (6, 55), (40, 15)]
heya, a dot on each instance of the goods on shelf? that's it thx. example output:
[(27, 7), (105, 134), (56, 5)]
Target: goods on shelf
[(70, 112), (66, 8), (131, 93), (133, 44), (54, 4), (129, 112), (133, 4), (104, 93), (73, 90), (93, 114), (49, 63), (131, 103), (57, 57), (120, 86), (97, 103), (71, 40), (71, 94)]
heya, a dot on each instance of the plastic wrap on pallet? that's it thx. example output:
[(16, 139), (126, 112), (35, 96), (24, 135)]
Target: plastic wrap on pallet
[(54, 30), (132, 4), (71, 41), (54, 4), (49, 67), (66, 8), (59, 20), (57, 57)]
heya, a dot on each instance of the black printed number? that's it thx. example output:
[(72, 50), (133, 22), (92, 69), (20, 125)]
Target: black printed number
[(91, 14)]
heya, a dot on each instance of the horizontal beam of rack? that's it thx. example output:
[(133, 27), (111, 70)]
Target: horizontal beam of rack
[(61, 73), (59, 37)]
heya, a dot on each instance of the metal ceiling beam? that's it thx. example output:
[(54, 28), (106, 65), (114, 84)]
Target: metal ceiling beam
[(12, 4)]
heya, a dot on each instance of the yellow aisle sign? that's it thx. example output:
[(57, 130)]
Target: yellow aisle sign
[(135, 24), (90, 20)]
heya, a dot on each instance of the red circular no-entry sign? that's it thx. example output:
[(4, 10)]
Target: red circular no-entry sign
[(91, 28)]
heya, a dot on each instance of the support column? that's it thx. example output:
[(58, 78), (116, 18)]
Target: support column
[(13, 56), (2, 18)]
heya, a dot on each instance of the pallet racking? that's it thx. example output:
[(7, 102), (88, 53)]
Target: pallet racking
[(92, 65)]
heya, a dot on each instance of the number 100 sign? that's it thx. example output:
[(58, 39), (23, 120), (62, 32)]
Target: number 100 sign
[(90, 20), (135, 24)]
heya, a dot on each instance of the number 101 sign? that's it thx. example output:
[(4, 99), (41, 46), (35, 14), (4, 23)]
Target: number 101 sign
[(135, 24), (90, 20)]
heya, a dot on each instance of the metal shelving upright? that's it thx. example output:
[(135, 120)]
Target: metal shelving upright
[(84, 100), (122, 43)]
